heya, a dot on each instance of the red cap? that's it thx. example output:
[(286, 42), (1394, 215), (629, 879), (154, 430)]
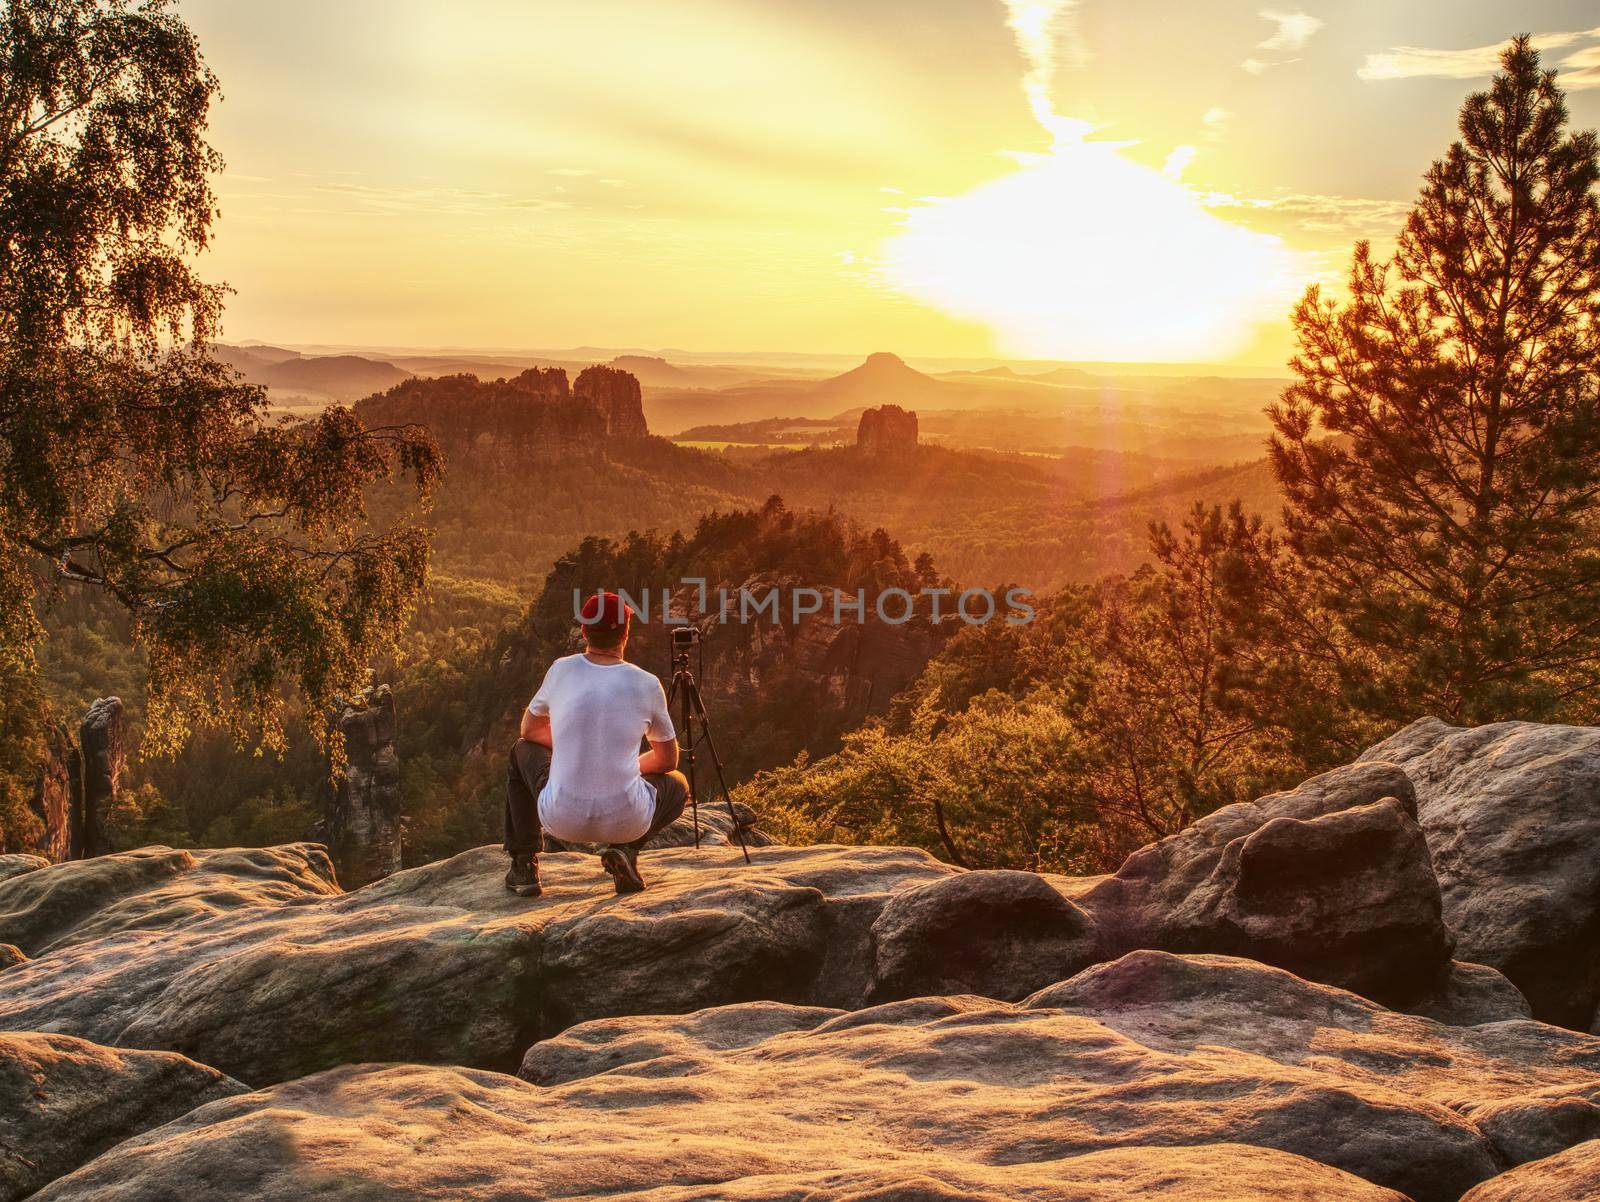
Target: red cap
[(605, 611)]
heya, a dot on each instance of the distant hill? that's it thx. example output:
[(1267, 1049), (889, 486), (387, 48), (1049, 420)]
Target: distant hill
[(341, 377), (319, 379), (882, 379)]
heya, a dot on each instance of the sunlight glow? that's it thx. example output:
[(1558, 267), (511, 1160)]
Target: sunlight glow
[(1086, 254)]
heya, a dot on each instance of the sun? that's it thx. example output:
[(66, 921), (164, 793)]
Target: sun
[(1084, 253)]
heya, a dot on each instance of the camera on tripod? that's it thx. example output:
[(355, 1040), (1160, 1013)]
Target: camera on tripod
[(694, 725)]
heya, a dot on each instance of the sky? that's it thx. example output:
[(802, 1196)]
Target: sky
[(1127, 180)]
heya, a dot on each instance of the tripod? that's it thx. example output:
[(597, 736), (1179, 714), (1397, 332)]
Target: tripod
[(694, 729)]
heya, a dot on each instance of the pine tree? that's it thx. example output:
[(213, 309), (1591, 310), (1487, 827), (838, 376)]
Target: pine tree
[(1440, 450)]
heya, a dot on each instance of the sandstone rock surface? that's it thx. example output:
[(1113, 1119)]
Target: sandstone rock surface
[(20, 862), (1331, 880), (64, 1101), (1511, 812), (1154, 1069), (205, 953), (492, 1137), (1001, 934), (1571, 1175)]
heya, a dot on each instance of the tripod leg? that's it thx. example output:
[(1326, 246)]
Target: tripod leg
[(686, 741), (716, 762)]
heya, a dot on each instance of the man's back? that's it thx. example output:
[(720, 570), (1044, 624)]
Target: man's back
[(598, 713)]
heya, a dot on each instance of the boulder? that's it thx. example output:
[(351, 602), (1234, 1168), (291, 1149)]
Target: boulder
[(10, 954), (1511, 812), (154, 888), (64, 1101), (363, 819), (990, 1103), (1331, 880), (1541, 1124), (1182, 1003), (19, 863), (1567, 1177), (1473, 994), (1001, 934), (204, 953)]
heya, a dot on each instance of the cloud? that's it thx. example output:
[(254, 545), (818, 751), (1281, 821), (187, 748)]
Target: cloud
[(1579, 69), (1178, 161), (1294, 31), (1317, 213), (1047, 37), (1215, 118)]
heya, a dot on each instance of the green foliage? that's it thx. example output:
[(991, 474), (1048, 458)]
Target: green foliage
[(1441, 449), (133, 464), (1126, 711)]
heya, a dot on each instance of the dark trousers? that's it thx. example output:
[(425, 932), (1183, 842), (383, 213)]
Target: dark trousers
[(527, 774)]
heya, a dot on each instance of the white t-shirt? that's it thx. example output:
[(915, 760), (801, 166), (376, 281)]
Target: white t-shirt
[(598, 713)]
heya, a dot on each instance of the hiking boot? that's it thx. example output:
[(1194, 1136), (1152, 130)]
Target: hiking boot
[(523, 879), (623, 865)]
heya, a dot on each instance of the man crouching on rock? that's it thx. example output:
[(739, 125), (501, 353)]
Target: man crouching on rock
[(576, 772)]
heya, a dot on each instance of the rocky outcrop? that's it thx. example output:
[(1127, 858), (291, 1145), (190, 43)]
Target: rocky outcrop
[(547, 382), (20, 862), (887, 431), (10, 954), (103, 743), (55, 792), (825, 1023), (436, 964), (1330, 880), (1471, 994), (616, 394), (502, 425), (722, 1134), (1157, 1075), (1572, 1174), (64, 1101), (363, 821), (1001, 934), (1511, 813)]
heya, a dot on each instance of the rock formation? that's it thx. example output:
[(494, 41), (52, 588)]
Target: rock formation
[(102, 741), (827, 1023), (547, 382), (1330, 880), (1511, 812), (616, 394), (19, 862), (1154, 1076), (64, 1101), (535, 414), (887, 431), (55, 793), (363, 818)]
